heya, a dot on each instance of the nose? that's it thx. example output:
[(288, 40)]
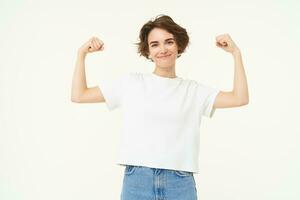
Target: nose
[(163, 49)]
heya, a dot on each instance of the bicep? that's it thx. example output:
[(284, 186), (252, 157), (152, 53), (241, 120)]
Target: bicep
[(226, 100), (92, 95)]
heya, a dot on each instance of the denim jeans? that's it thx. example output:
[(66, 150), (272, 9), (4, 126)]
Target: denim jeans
[(145, 183)]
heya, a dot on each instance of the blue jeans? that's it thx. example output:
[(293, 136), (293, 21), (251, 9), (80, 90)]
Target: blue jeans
[(145, 183)]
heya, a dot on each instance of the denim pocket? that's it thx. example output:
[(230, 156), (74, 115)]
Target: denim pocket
[(129, 169), (183, 173)]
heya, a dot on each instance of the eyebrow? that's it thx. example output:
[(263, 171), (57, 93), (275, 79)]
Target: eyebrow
[(165, 40)]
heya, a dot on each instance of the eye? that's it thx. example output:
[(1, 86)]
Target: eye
[(170, 42), (153, 45)]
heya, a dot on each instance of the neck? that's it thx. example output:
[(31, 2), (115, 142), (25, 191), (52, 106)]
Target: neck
[(165, 72)]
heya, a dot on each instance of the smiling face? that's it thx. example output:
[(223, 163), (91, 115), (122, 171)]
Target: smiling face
[(163, 49)]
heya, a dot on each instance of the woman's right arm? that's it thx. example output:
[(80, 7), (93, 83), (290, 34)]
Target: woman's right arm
[(80, 92)]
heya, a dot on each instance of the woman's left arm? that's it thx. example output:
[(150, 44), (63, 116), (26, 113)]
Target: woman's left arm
[(239, 95)]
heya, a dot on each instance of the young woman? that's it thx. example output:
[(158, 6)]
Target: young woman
[(161, 111)]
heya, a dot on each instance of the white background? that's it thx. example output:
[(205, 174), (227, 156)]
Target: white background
[(51, 148)]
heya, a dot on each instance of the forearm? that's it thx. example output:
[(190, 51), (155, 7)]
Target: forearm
[(240, 88), (79, 84)]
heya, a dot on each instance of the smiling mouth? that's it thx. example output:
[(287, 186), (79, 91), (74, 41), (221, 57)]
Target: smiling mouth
[(164, 56)]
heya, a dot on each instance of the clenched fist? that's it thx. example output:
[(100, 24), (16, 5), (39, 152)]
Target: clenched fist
[(226, 43), (92, 45)]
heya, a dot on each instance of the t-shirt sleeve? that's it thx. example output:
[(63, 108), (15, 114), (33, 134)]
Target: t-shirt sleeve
[(113, 90), (207, 96)]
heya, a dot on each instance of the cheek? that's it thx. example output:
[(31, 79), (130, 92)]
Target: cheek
[(175, 48), (153, 51)]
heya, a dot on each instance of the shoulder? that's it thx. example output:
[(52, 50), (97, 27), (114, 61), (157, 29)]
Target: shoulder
[(128, 76), (198, 84), (190, 82), (137, 76), (132, 74), (201, 87), (131, 78)]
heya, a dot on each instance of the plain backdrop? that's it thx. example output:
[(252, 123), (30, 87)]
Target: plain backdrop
[(52, 148)]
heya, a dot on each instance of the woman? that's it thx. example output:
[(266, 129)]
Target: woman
[(161, 111)]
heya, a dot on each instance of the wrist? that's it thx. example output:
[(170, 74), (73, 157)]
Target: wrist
[(236, 52), (81, 53)]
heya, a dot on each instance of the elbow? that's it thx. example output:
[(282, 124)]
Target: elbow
[(75, 99), (76, 96), (244, 102), (241, 100)]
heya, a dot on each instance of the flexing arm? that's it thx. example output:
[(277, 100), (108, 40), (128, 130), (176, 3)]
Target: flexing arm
[(239, 95), (80, 92)]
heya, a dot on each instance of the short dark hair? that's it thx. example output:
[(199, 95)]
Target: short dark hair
[(164, 22)]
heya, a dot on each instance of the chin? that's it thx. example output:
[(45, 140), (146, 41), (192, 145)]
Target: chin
[(165, 65)]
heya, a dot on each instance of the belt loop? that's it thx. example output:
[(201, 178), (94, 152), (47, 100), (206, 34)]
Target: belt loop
[(157, 171)]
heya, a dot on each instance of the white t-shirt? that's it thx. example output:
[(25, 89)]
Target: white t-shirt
[(161, 119)]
